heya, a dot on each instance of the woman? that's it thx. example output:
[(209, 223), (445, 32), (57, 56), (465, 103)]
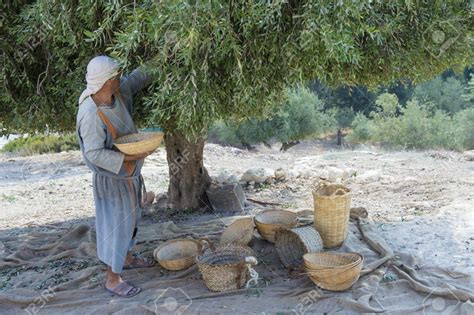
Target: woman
[(105, 113)]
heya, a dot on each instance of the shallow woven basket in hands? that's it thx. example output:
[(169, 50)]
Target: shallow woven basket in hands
[(292, 244), (239, 232), (139, 143), (269, 221), (333, 271), (224, 267), (177, 254), (332, 203)]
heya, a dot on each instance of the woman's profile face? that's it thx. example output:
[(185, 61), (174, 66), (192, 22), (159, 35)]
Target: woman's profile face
[(114, 83)]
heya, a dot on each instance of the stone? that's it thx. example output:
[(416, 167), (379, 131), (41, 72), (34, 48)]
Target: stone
[(469, 155), (335, 173), (232, 179), (280, 174), (258, 175), (370, 176), (227, 198), (223, 176)]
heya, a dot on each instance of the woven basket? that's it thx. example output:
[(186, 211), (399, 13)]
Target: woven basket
[(139, 143), (177, 254), (332, 203), (239, 232), (269, 221), (225, 267), (292, 244), (333, 271)]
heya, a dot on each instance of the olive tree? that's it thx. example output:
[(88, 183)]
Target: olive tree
[(217, 59)]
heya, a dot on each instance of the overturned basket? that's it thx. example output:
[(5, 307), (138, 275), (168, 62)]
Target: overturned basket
[(139, 143), (269, 221), (226, 267), (177, 254), (292, 244), (239, 232), (333, 271)]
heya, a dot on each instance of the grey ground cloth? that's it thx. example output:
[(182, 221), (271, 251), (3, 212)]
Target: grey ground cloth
[(392, 282)]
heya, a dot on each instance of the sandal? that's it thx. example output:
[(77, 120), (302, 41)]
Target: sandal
[(140, 262), (124, 290)]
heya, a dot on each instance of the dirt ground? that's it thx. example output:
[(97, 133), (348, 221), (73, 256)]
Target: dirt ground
[(422, 202)]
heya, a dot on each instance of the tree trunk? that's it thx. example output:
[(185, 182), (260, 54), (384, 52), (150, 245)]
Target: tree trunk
[(188, 176)]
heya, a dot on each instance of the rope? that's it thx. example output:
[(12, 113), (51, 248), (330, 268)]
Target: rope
[(253, 277)]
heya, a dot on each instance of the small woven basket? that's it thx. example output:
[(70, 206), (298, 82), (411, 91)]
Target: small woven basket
[(333, 271), (239, 232), (139, 143), (332, 203), (292, 244), (269, 221), (225, 267), (177, 254)]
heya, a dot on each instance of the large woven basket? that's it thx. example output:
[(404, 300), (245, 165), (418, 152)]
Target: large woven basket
[(239, 232), (292, 244), (332, 203), (139, 143), (177, 254), (269, 221), (225, 267), (333, 271)]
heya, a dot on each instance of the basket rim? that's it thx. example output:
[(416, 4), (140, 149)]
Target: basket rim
[(169, 242), (256, 217), (149, 136), (201, 262), (359, 260)]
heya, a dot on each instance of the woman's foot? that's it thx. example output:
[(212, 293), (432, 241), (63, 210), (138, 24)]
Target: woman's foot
[(135, 261), (123, 289)]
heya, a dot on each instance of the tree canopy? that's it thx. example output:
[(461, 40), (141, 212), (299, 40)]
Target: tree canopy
[(217, 59)]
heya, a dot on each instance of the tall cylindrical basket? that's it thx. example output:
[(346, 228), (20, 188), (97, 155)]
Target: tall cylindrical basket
[(332, 203)]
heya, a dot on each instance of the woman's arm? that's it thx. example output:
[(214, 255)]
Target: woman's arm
[(138, 79)]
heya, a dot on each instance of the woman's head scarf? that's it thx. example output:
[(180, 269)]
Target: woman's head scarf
[(99, 70)]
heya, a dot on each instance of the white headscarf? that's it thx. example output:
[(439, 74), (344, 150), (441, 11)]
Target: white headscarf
[(99, 70)]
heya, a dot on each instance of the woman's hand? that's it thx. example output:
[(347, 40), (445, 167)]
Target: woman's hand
[(137, 157)]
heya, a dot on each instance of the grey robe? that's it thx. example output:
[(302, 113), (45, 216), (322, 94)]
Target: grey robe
[(117, 185)]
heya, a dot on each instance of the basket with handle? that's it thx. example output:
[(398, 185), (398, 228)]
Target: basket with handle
[(292, 244), (239, 232), (225, 267), (177, 254), (332, 203), (139, 143), (269, 221), (333, 271)]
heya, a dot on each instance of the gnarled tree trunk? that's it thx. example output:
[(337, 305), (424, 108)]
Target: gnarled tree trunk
[(188, 176)]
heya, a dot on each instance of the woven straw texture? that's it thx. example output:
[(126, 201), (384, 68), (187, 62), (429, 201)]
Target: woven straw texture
[(139, 143), (332, 203), (333, 271), (292, 244), (223, 268), (239, 232), (269, 221), (177, 254)]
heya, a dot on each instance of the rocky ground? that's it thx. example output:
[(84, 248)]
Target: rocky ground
[(422, 202)]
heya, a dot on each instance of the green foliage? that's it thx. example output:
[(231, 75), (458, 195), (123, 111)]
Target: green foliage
[(215, 59), (469, 91), (300, 117), (415, 126), (40, 144), (439, 94)]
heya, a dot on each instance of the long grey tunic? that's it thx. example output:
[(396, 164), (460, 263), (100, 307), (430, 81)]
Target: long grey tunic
[(117, 185)]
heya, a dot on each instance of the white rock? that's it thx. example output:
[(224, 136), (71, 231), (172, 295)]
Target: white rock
[(469, 155), (258, 175), (223, 176), (370, 176), (348, 172), (335, 173), (280, 174), (292, 173)]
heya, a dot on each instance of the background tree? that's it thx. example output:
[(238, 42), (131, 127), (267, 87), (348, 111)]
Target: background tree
[(216, 59)]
